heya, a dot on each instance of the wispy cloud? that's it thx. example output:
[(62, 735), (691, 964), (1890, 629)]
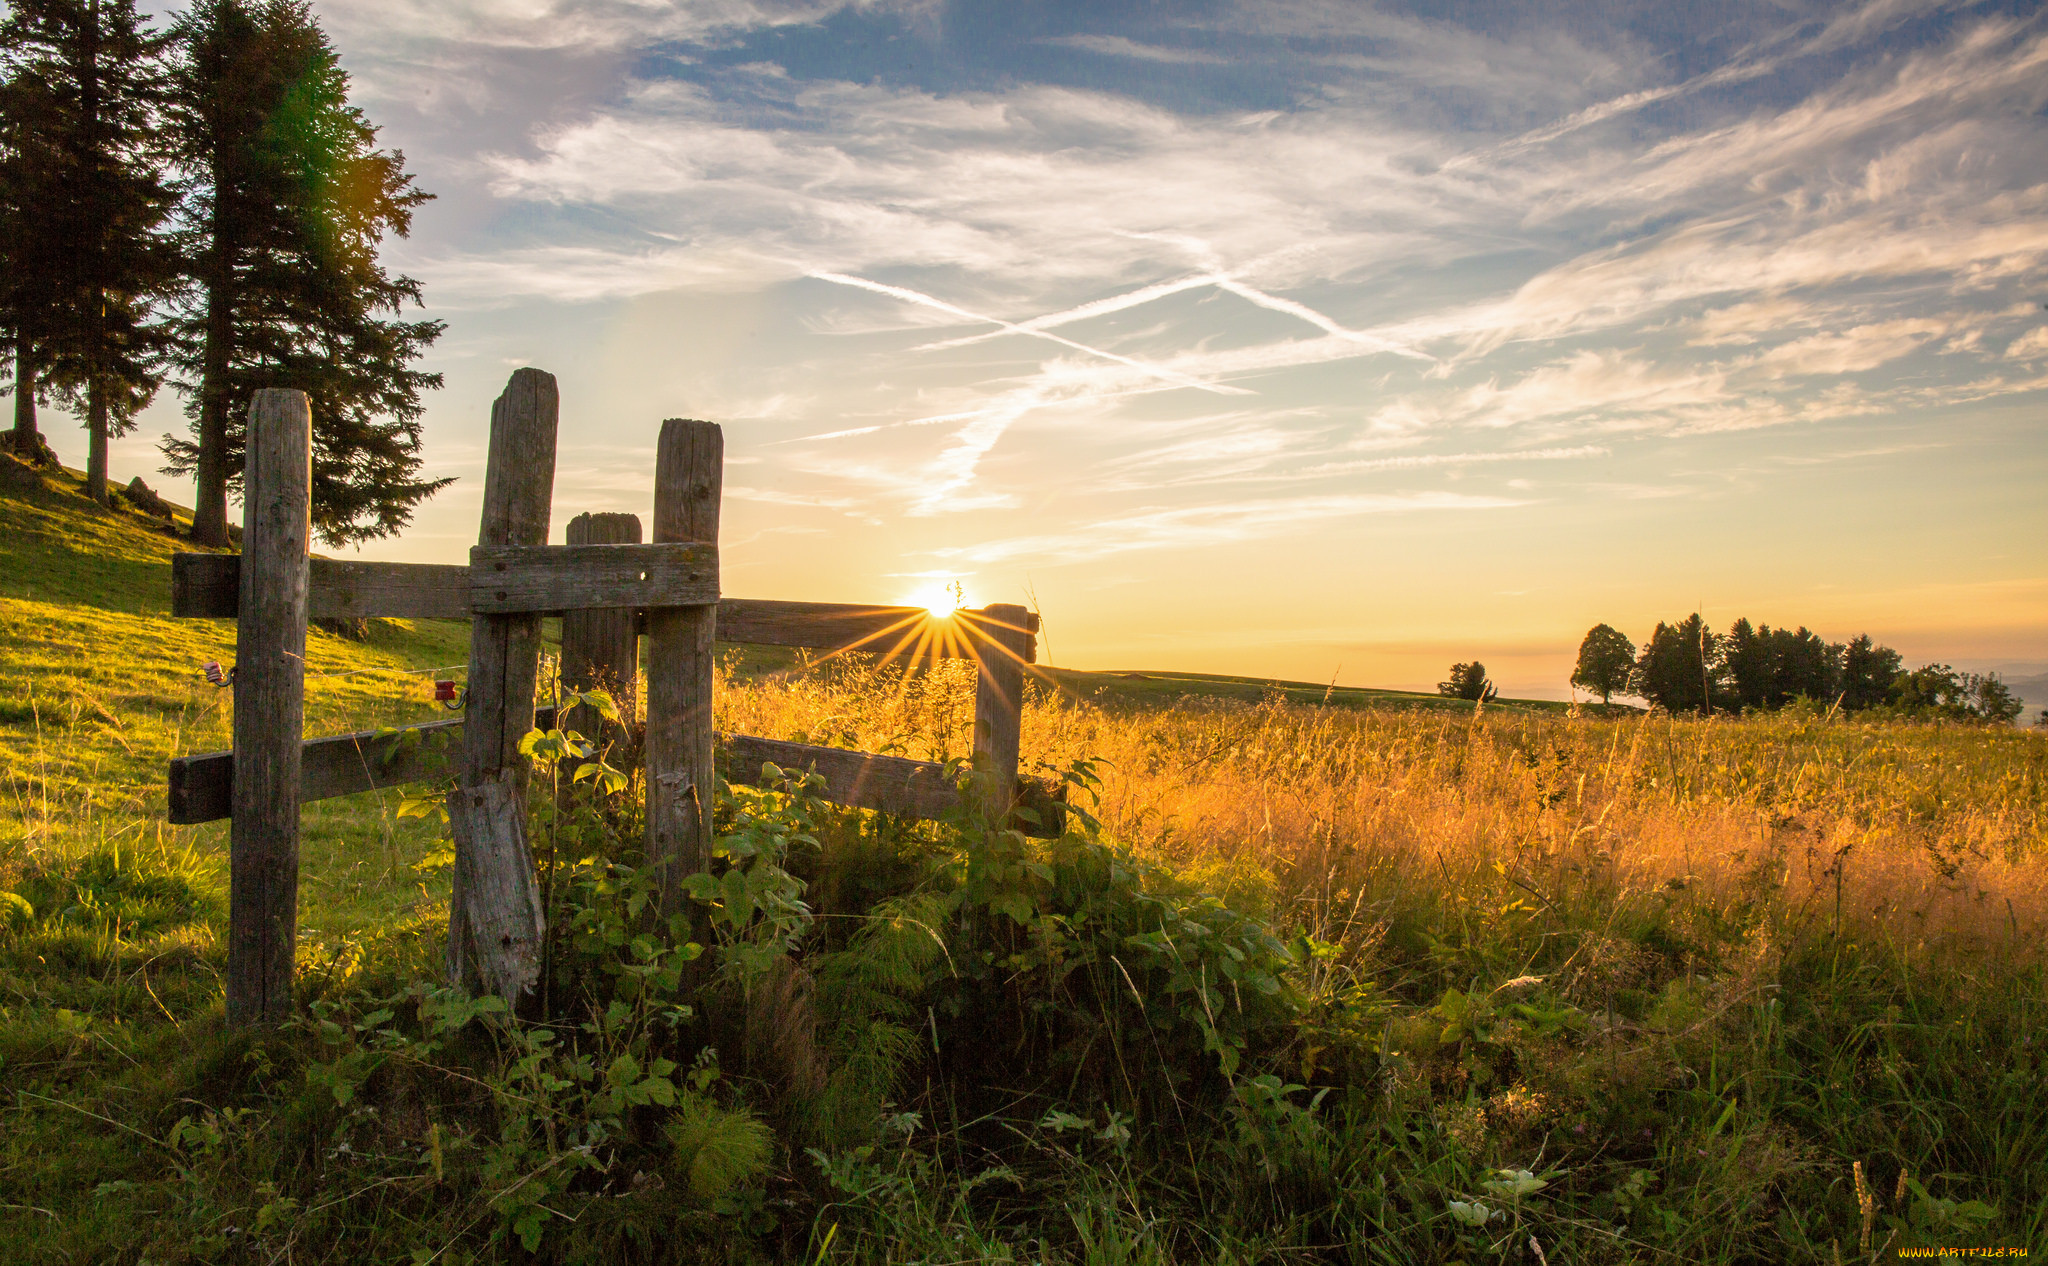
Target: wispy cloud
[(1209, 526), (1120, 46)]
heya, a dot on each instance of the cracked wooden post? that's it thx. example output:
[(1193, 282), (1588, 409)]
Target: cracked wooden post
[(495, 921), (601, 646), (1002, 645), (688, 476), (270, 709)]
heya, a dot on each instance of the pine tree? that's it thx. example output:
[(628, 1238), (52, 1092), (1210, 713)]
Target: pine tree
[(1674, 670), (289, 201), (84, 78), (1869, 674), (27, 171), (1605, 658), (1802, 667), (1746, 664)]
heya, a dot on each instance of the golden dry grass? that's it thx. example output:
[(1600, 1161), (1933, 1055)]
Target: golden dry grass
[(1346, 821)]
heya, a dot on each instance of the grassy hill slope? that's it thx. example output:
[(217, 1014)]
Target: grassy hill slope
[(99, 688)]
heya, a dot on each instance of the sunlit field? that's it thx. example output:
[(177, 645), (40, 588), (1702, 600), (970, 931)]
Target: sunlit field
[(1347, 822)]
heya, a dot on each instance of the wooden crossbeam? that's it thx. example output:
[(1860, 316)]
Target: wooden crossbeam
[(500, 580), (207, 586), (504, 579), (202, 786), (889, 784), (892, 784)]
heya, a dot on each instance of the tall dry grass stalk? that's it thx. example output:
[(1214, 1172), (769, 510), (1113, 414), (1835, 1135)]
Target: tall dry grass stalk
[(1362, 826)]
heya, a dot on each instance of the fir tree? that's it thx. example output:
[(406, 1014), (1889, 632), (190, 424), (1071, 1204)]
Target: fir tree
[(27, 172), (1802, 666), (1870, 674), (289, 201), (1746, 665), (83, 86), (1674, 670)]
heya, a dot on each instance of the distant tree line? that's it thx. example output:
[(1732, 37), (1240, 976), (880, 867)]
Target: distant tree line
[(202, 206), (1687, 667)]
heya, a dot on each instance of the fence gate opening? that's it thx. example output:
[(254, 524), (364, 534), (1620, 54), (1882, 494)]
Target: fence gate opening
[(609, 587)]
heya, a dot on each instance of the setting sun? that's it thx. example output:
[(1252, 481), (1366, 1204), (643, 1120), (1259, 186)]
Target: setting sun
[(941, 598)]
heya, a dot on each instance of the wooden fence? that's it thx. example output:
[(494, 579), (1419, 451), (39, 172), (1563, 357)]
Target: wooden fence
[(610, 589)]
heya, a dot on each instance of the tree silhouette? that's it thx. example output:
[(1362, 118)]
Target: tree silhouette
[(1745, 664), (83, 85), (1468, 681), (1605, 659), (1674, 669), (1870, 674)]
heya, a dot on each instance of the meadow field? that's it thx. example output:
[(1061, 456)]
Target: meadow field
[(1316, 977)]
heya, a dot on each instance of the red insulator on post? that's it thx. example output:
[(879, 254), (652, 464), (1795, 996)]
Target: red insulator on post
[(446, 695)]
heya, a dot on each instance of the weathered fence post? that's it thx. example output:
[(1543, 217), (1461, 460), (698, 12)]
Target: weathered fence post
[(601, 645), (1002, 640), (495, 922), (270, 709), (688, 478)]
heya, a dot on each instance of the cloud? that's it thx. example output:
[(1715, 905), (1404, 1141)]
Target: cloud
[(2029, 346), (1853, 350), (1209, 525), (555, 25), (1119, 46)]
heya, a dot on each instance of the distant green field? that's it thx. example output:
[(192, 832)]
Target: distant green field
[(1156, 688)]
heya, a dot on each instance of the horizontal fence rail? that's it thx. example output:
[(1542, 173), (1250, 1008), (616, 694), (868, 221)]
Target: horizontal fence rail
[(888, 784), (209, 586), (507, 579), (202, 785)]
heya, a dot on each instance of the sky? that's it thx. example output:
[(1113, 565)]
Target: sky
[(1292, 338)]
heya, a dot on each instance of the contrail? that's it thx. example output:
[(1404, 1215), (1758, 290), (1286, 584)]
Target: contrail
[(1101, 307), (1317, 319), (918, 297)]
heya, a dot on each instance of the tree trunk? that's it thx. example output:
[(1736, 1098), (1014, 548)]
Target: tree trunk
[(96, 454), (26, 439), (210, 496)]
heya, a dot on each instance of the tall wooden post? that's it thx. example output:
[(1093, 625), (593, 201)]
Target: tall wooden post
[(601, 645), (688, 477), (1002, 644), (270, 708), (495, 922)]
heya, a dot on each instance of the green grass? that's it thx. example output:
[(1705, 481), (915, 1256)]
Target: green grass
[(1688, 973), (100, 688)]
